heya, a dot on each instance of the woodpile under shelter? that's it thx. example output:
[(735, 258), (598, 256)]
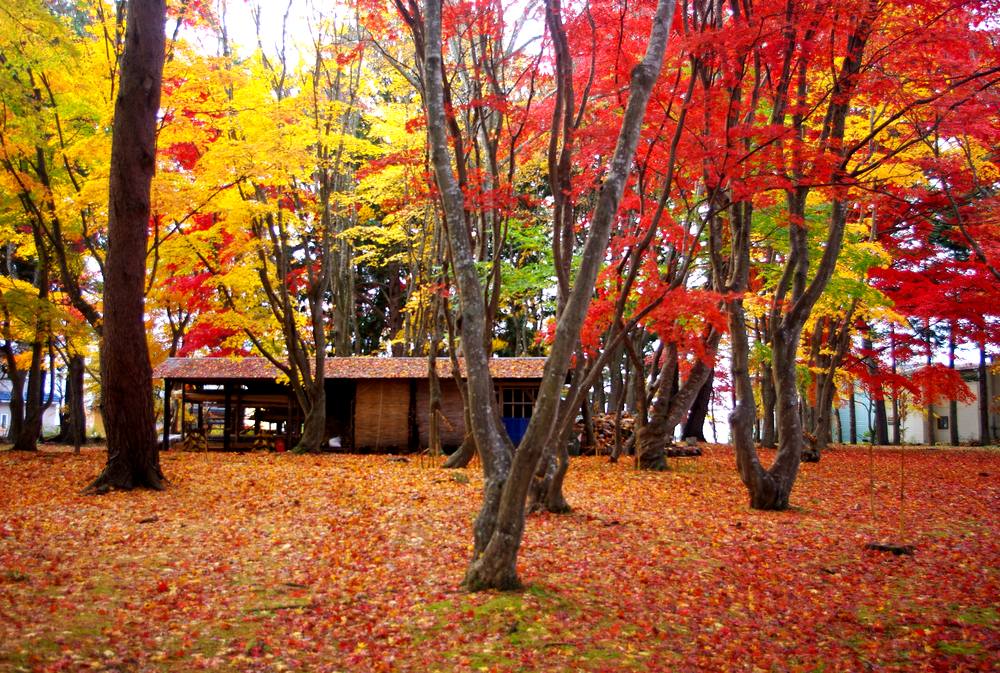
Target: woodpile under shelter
[(372, 403)]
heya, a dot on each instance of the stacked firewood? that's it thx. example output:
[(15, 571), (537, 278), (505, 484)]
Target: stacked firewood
[(604, 433), (604, 436)]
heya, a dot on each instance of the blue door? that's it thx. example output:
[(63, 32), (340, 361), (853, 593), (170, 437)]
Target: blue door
[(516, 427)]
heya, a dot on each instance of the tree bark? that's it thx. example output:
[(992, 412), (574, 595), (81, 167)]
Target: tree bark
[(852, 415), (314, 421), (896, 421), (952, 404), (126, 376), (929, 411), (75, 429), (984, 397), (31, 426), (695, 425), (769, 434), (668, 410), (589, 441), (880, 433)]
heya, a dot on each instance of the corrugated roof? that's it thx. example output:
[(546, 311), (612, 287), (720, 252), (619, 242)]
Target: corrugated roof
[(338, 368)]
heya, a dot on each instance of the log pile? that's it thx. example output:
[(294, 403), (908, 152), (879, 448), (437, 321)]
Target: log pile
[(604, 433)]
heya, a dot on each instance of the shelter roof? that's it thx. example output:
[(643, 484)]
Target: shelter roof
[(224, 368)]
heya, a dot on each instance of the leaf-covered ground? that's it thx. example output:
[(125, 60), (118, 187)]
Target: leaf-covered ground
[(266, 562)]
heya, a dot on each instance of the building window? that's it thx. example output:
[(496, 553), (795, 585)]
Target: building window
[(517, 402), (3, 421), (942, 423)]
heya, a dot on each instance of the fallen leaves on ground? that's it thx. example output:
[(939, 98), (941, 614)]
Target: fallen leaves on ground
[(275, 562)]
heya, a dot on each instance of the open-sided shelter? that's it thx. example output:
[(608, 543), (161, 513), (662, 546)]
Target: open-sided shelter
[(372, 403)]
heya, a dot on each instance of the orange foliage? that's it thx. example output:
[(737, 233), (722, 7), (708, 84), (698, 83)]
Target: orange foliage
[(273, 562)]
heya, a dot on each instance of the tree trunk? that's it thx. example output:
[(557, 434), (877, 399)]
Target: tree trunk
[(984, 397), (768, 489), (31, 427), (314, 423), (896, 421), (463, 455), (434, 393), (589, 441), (852, 415), (881, 430), (16, 398), (880, 433), (652, 436), (790, 435), (952, 404), (668, 410), (546, 493), (769, 434), (929, 411), (75, 429), (126, 376), (695, 425)]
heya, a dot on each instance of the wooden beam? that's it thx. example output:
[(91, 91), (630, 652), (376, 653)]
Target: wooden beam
[(227, 418), (411, 419), (166, 413)]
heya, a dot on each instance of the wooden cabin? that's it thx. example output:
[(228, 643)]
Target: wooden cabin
[(372, 403)]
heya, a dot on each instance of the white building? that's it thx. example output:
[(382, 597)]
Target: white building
[(50, 419), (914, 426)]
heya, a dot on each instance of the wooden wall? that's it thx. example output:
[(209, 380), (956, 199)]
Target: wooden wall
[(381, 411), (453, 429), (382, 414)]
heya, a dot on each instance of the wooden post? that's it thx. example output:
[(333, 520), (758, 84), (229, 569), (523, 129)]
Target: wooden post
[(201, 414), (166, 413), (411, 419), (227, 418), (238, 417)]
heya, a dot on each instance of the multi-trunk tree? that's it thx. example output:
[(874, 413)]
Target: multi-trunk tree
[(509, 473)]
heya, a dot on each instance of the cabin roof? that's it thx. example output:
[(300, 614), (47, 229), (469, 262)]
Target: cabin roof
[(225, 368)]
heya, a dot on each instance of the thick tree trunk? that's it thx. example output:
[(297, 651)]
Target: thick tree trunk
[(463, 455), (546, 493), (314, 423), (791, 441), (126, 375), (768, 434), (768, 489), (73, 423), (695, 425), (881, 429), (668, 411), (31, 427), (652, 436)]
